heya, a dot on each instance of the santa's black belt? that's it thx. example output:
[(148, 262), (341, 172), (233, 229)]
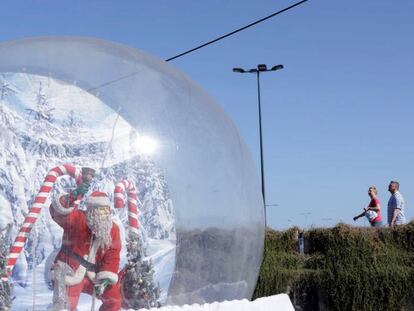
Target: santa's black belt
[(88, 265)]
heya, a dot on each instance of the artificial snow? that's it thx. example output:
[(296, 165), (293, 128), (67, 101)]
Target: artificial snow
[(279, 302)]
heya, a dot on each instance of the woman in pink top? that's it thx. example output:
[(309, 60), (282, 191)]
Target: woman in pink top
[(373, 211)]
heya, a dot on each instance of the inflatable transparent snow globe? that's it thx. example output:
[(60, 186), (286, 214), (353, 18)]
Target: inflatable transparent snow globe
[(121, 181)]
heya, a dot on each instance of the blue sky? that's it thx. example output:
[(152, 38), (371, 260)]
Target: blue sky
[(336, 120)]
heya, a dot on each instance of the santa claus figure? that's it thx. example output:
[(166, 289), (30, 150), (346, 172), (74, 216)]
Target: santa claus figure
[(88, 261)]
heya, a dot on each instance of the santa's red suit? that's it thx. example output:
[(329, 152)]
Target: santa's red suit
[(78, 241)]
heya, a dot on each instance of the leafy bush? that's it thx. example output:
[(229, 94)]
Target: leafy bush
[(344, 268)]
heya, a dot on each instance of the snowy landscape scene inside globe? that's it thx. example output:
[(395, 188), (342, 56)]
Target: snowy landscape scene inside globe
[(46, 123)]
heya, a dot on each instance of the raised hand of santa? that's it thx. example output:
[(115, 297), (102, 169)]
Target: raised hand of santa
[(87, 177), (81, 190)]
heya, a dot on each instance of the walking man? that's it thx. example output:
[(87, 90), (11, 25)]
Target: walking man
[(396, 205)]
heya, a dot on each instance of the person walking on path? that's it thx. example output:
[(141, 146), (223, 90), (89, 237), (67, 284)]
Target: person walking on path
[(396, 205), (373, 211)]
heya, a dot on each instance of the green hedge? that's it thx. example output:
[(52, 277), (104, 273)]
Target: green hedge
[(344, 268)]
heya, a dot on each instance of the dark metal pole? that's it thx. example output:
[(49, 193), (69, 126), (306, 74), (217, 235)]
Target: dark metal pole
[(261, 145)]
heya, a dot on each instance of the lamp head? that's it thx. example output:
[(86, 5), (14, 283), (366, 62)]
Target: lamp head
[(262, 67), (239, 70), (277, 67)]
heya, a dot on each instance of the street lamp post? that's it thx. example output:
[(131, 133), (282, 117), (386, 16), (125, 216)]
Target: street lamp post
[(260, 68)]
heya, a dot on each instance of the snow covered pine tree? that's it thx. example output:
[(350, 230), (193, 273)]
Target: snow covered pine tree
[(137, 278), (5, 287), (138, 287)]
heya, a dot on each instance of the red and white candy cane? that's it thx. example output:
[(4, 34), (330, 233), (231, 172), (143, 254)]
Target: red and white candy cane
[(119, 198), (34, 212)]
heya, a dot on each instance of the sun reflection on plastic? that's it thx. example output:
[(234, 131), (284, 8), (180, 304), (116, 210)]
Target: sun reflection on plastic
[(147, 145)]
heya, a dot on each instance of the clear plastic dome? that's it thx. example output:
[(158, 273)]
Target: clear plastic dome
[(94, 104)]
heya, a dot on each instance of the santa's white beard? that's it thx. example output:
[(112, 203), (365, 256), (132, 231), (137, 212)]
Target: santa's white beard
[(100, 226)]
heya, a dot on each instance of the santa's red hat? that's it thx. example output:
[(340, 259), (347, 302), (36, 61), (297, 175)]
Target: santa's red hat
[(98, 199)]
